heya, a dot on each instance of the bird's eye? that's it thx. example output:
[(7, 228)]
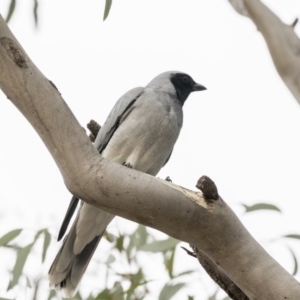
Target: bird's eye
[(185, 79)]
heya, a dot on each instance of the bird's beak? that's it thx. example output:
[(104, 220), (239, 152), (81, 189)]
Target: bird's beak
[(198, 87)]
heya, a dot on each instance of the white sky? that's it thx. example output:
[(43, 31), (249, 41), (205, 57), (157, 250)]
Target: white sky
[(243, 131)]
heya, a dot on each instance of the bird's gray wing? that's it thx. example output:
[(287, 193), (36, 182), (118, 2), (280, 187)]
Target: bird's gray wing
[(121, 109)]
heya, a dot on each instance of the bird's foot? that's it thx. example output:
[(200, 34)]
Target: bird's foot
[(168, 179), (127, 165)]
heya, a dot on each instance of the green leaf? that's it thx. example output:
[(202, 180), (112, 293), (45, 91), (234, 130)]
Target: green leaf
[(184, 273), (110, 259), (22, 255), (5, 299), (117, 291), (138, 276), (141, 235), (109, 237), (119, 243), (35, 11), (260, 206), (46, 244), (190, 298), (292, 236), (170, 263), (28, 283), (104, 295), (91, 297), (108, 4), (214, 296), (159, 246), (5, 239), (11, 10), (170, 290), (295, 262), (51, 294), (77, 296)]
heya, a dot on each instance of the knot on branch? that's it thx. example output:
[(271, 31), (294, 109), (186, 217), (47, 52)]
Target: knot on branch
[(14, 52), (94, 128), (208, 188)]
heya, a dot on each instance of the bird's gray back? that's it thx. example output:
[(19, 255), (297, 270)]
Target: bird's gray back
[(146, 137), (108, 128)]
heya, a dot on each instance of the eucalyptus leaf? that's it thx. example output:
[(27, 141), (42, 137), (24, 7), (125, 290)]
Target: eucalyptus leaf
[(22, 255), (170, 264), (295, 271), (159, 246), (47, 240), (5, 239), (170, 290), (110, 259), (261, 206), (292, 236), (52, 294), (35, 11), (108, 4), (11, 10)]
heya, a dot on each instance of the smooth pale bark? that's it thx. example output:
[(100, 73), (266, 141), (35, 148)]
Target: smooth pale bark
[(180, 213), (281, 39)]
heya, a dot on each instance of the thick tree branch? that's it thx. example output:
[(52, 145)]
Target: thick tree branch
[(181, 213), (282, 41)]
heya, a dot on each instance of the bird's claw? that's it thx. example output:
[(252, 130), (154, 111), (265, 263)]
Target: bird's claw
[(168, 179), (127, 165)]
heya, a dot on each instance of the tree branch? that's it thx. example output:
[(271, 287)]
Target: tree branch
[(281, 39), (180, 213)]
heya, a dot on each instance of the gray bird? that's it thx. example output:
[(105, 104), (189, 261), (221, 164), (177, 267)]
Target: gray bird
[(140, 132)]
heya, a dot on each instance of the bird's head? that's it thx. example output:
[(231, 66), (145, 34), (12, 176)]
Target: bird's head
[(177, 82)]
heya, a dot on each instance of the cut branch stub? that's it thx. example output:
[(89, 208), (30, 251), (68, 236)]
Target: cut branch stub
[(94, 128), (208, 188)]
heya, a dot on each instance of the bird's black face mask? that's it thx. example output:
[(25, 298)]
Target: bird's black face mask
[(184, 85)]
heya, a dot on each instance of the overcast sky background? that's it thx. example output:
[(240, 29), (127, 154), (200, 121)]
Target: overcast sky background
[(243, 131)]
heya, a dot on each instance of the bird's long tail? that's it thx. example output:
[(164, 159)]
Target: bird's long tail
[(76, 252)]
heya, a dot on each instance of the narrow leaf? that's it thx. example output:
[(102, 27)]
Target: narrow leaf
[(22, 255), (5, 299), (119, 243), (11, 10), (214, 296), (52, 294), (170, 263), (46, 244), (28, 283), (5, 239), (110, 259), (292, 236), (160, 246), (184, 273), (170, 290), (261, 206), (105, 294), (108, 4), (295, 262), (35, 12)]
